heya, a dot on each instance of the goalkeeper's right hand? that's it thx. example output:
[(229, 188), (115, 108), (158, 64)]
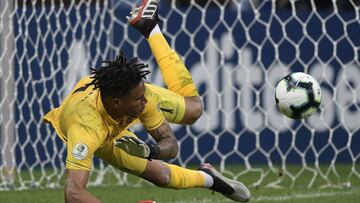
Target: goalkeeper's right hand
[(137, 147)]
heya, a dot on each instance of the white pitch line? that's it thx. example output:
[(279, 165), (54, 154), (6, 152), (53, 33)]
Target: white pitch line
[(301, 196), (276, 198), (202, 201)]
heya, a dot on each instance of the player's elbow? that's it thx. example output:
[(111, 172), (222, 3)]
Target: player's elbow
[(174, 149), (176, 152)]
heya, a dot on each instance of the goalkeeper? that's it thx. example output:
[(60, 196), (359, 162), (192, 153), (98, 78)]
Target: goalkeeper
[(94, 118)]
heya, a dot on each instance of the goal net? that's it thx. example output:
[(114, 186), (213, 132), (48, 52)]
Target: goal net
[(236, 51)]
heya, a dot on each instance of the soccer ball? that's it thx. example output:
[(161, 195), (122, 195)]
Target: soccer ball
[(298, 95)]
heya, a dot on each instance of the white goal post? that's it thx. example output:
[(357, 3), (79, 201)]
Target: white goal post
[(236, 51)]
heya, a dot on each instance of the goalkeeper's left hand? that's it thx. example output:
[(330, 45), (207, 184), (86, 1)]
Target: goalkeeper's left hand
[(137, 147)]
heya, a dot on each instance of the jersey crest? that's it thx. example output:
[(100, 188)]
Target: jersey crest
[(80, 151)]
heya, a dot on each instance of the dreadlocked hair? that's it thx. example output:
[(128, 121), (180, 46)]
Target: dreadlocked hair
[(116, 78)]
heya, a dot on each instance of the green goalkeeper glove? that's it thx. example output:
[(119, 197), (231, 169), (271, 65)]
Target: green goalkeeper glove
[(137, 147)]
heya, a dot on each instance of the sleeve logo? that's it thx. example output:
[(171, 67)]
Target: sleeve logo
[(80, 151)]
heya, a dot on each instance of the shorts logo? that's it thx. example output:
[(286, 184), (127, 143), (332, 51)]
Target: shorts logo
[(80, 151)]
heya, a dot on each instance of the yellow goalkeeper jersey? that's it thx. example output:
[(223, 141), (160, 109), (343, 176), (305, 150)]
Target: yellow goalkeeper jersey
[(83, 123)]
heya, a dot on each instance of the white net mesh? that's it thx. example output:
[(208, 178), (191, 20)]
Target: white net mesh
[(236, 52)]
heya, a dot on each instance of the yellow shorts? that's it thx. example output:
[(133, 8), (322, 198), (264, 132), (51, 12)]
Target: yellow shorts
[(121, 159), (171, 104)]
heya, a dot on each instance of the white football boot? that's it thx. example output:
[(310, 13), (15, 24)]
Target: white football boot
[(231, 189)]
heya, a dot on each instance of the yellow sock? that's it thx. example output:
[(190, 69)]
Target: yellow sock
[(182, 178), (174, 72)]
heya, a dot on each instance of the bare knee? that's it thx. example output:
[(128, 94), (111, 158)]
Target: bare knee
[(193, 110), (163, 178), (157, 173)]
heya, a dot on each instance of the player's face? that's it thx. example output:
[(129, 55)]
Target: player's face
[(134, 103)]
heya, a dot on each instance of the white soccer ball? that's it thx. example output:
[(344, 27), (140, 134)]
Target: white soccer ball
[(298, 95)]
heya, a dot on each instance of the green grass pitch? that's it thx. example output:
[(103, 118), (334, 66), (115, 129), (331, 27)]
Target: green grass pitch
[(297, 194), (133, 195)]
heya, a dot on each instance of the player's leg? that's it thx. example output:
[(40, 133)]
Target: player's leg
[(175, 74), (176, 177), (172, 176), (176, 77), (154, 171)]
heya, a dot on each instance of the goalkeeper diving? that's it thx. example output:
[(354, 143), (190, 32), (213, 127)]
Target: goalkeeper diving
[(94, 119)]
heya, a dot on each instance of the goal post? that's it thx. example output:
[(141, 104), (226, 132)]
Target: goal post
[(236, 52), (7, 94)]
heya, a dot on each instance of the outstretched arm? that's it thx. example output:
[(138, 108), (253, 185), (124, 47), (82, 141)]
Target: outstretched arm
[(75, 185), (166, 141)]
